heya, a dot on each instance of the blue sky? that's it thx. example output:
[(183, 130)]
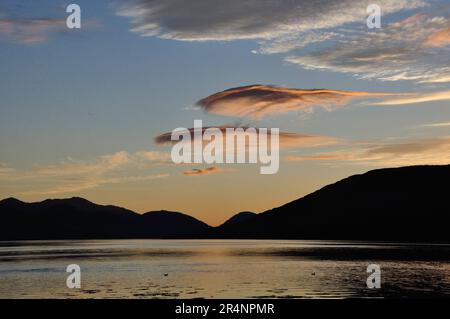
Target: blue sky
[(74, 96)]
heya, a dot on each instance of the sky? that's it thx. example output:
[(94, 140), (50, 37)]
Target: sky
[(80, 108)]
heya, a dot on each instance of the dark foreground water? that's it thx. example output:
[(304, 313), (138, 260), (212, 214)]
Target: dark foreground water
[(221, 269)]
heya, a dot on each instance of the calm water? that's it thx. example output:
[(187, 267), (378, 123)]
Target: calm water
[(221, 269)]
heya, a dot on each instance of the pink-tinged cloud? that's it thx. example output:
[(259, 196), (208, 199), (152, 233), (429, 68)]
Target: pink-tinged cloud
[(411, 49), (418, 98), (202, 171), (404, 152), (72, 175), (30, 31), (286, 139), (439, 38), (257, 101)]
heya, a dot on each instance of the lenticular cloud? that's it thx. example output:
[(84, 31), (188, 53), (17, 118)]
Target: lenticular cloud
[(257, 101)]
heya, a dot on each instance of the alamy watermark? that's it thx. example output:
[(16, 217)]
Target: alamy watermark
[(374, 18), (73, 21), (374, 279), (74, 279), (230, 145)]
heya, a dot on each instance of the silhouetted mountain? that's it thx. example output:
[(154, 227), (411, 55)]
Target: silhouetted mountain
[(401, 204), (79, 218), (173, 224), (236, 219)]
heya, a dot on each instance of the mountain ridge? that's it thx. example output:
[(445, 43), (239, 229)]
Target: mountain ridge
[(78, 218), (392, 200), (406, 203)]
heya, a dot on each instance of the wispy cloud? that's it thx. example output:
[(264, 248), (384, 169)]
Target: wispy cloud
[(73, 175), (403, 152), (210, 20), (92, 182), (257, 101), (203, 171), (286, 139), (415, 48), (440, 124), (30, 30), (5, 169), (417, 98), (18, 25), (439, 38)]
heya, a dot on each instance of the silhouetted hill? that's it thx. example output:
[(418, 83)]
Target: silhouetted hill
[(408, 203), (398, 204), (236, 219), (173, 224), (79, 218)]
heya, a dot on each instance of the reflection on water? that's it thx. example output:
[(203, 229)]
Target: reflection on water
[(221, 269)]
